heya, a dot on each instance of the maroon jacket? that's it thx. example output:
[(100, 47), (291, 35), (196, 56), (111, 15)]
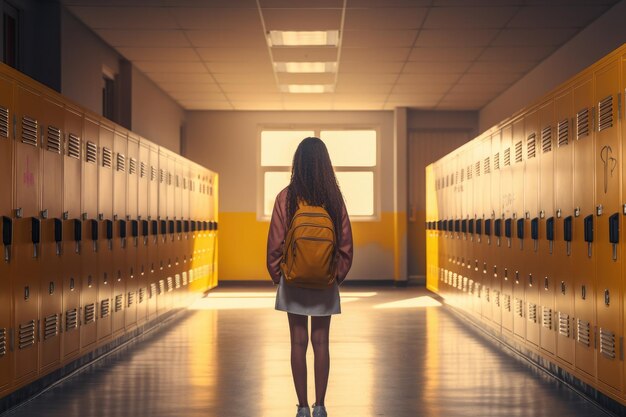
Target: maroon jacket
[(278, 233)]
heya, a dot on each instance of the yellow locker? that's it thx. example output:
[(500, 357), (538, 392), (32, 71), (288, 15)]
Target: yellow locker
[(564, 207), (143, 254), (622, 120), (6, 146), (608, 213), (52, 157), (546, 260), (133, 240), (120, 240), (491, 263), (505, 207)]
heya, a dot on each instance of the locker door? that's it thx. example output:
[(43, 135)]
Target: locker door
[(120, 225), (52, 157), (6, 146), (503, 210), (564, 206), (492, 187), (622, 123), (153, 213), (133, 241), (90, 275), (583, 243), (27, 233), (608, 213), (72, 227), (143, 260), (214, 193), (547, 228)]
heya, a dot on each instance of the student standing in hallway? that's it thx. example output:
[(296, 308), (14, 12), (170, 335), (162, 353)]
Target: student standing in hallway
[(313, 183)]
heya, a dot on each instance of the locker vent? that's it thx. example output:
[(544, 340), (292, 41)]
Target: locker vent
[(531, 144), (487, 165), (153, 173), (71, 319), (4, 122), (119, 300), (142, 170), (54, 140), (3, 342), (464, 284), (477, 169), (121, 162), (26, 334), (507, 157), (605, 113), (607, 343), (184, 278), (563, 132), (51, 326), (582, 123), (132, 166), (29, 131), (177, 279), (546, 139), (73, 146), (496, 298), (142, 295), (563, 324), (170, 284), (184, 183), (92, 152), (104, 308), (496, 161), (519, 308), (131, 298), (161, 286), (153, 290), (462, 175), (532, 312), (518, 152), (547, 318), (161, 175), (90, 313), (177, 181), (477, 289), (583, 332), (507, 302), (486, 292), (107, 157), (469, 172), (169, 178)]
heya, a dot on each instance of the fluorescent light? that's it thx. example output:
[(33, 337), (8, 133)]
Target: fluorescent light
[(307, 88), (306, 67), (303, 38)]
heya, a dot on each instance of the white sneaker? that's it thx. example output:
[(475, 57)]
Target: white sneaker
[(319, 411), (304, 412)]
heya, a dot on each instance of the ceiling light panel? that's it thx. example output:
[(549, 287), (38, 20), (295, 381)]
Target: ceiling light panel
[(305, 67), (307, 88), (310, 54), (303, 38)]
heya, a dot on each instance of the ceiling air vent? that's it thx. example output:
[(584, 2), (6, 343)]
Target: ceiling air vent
[(73, 146), (4, 122), (531, 144), (487, 165), (546, 139), (563, 132), (518, 152), (54, 140), (29, 131), (107, 157), (582, 123), (92, 152), (605, 113), (121, 162)]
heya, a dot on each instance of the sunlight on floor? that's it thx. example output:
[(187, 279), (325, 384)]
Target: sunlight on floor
[(256, 300), (423, 301)]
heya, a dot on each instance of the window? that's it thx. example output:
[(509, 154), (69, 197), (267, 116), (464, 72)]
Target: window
[(354, 154), (10, 33), (108, 97)]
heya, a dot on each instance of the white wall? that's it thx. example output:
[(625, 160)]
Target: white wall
[(602, 36)]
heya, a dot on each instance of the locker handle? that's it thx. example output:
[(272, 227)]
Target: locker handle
[(163, 227), (58, 230), (186, 227), (122, 229), (144, 228), (567, 229), (134, 228), (470, 226), (463, 226), (507, 228), (614, 228), (588, 228), (215, 225), (36, 230), (155, 227), (497, 227), (534, 228), (109, 228), (171, 226), (520, 228), (78, 230), (457, 225), (479, 226), (7, 231), (212, 226), (193, 225), (550, 229), (179, 226)]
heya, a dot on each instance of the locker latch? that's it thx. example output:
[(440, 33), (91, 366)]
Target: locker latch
[(508, 225), (488, 230), (134, 230), (607, 297), (58, 235), (588, 225), (122, 224), (109, 232), (614, 233), (546, 284), (530, 280), (78, 234), (94, 234), (7, 237), (35, 235), (497, 230), (520, 233), (563, 287), (534, 232), (550, 233), (567, 233), (144, 231)]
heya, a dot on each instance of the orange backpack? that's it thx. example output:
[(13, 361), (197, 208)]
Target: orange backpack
[(309, 251)]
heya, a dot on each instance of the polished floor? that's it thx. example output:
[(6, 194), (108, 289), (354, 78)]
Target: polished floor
[(394, 352)]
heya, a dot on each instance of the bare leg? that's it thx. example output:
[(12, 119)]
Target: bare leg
[(299, 329), (320, 327)]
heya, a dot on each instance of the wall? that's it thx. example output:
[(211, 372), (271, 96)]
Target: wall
[(602, 36), (228, 143)]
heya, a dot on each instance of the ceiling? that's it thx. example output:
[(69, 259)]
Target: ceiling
[(423, 54)]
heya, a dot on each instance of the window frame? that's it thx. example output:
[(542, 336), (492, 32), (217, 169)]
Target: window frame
[(317, 129)]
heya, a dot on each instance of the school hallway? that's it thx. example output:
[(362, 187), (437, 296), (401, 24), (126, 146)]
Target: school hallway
[(394, 352)]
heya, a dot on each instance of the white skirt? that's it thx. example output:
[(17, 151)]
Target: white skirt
[(306, 301)]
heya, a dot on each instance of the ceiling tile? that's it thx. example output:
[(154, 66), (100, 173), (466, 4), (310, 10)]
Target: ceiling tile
[(364, 80), (360, 97), (176, 67), (233, 54), (189, 87), (250, 88), (533, 37), (455, 38), (159, 54), (555, 16), (250, 97), (353, 4), (498, 78), (302, 19), (189, 79), (516, 53), (307, 4), (169, 3), (144, 38), (476, 89), (245, 78), (435, 67), (206, 105), (448, 3), (322, 78), (468, 17), (368, 55), (518, 67), (258, 105), (445, 54), (229, 20), (370, 67), (421, 98), (125, 17), (423, 88), (356, 105), (240, 67), (388, 18), (222, 39), (304, 54), (196, 95), (378, 38), (342, 88), (471, 104)]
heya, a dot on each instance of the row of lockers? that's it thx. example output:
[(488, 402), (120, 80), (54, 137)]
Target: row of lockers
[(524, 227), (103, 232)]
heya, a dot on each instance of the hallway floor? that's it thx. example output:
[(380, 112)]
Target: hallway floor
[(394, 352)]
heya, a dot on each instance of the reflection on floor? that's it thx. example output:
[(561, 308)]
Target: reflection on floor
[(394, 352)]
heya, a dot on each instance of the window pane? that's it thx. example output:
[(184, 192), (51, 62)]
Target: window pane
[(274, 183), (278, 146), (351, 148), (358, 191)]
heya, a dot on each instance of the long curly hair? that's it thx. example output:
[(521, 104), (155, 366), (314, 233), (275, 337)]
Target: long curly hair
[(313, 181)]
